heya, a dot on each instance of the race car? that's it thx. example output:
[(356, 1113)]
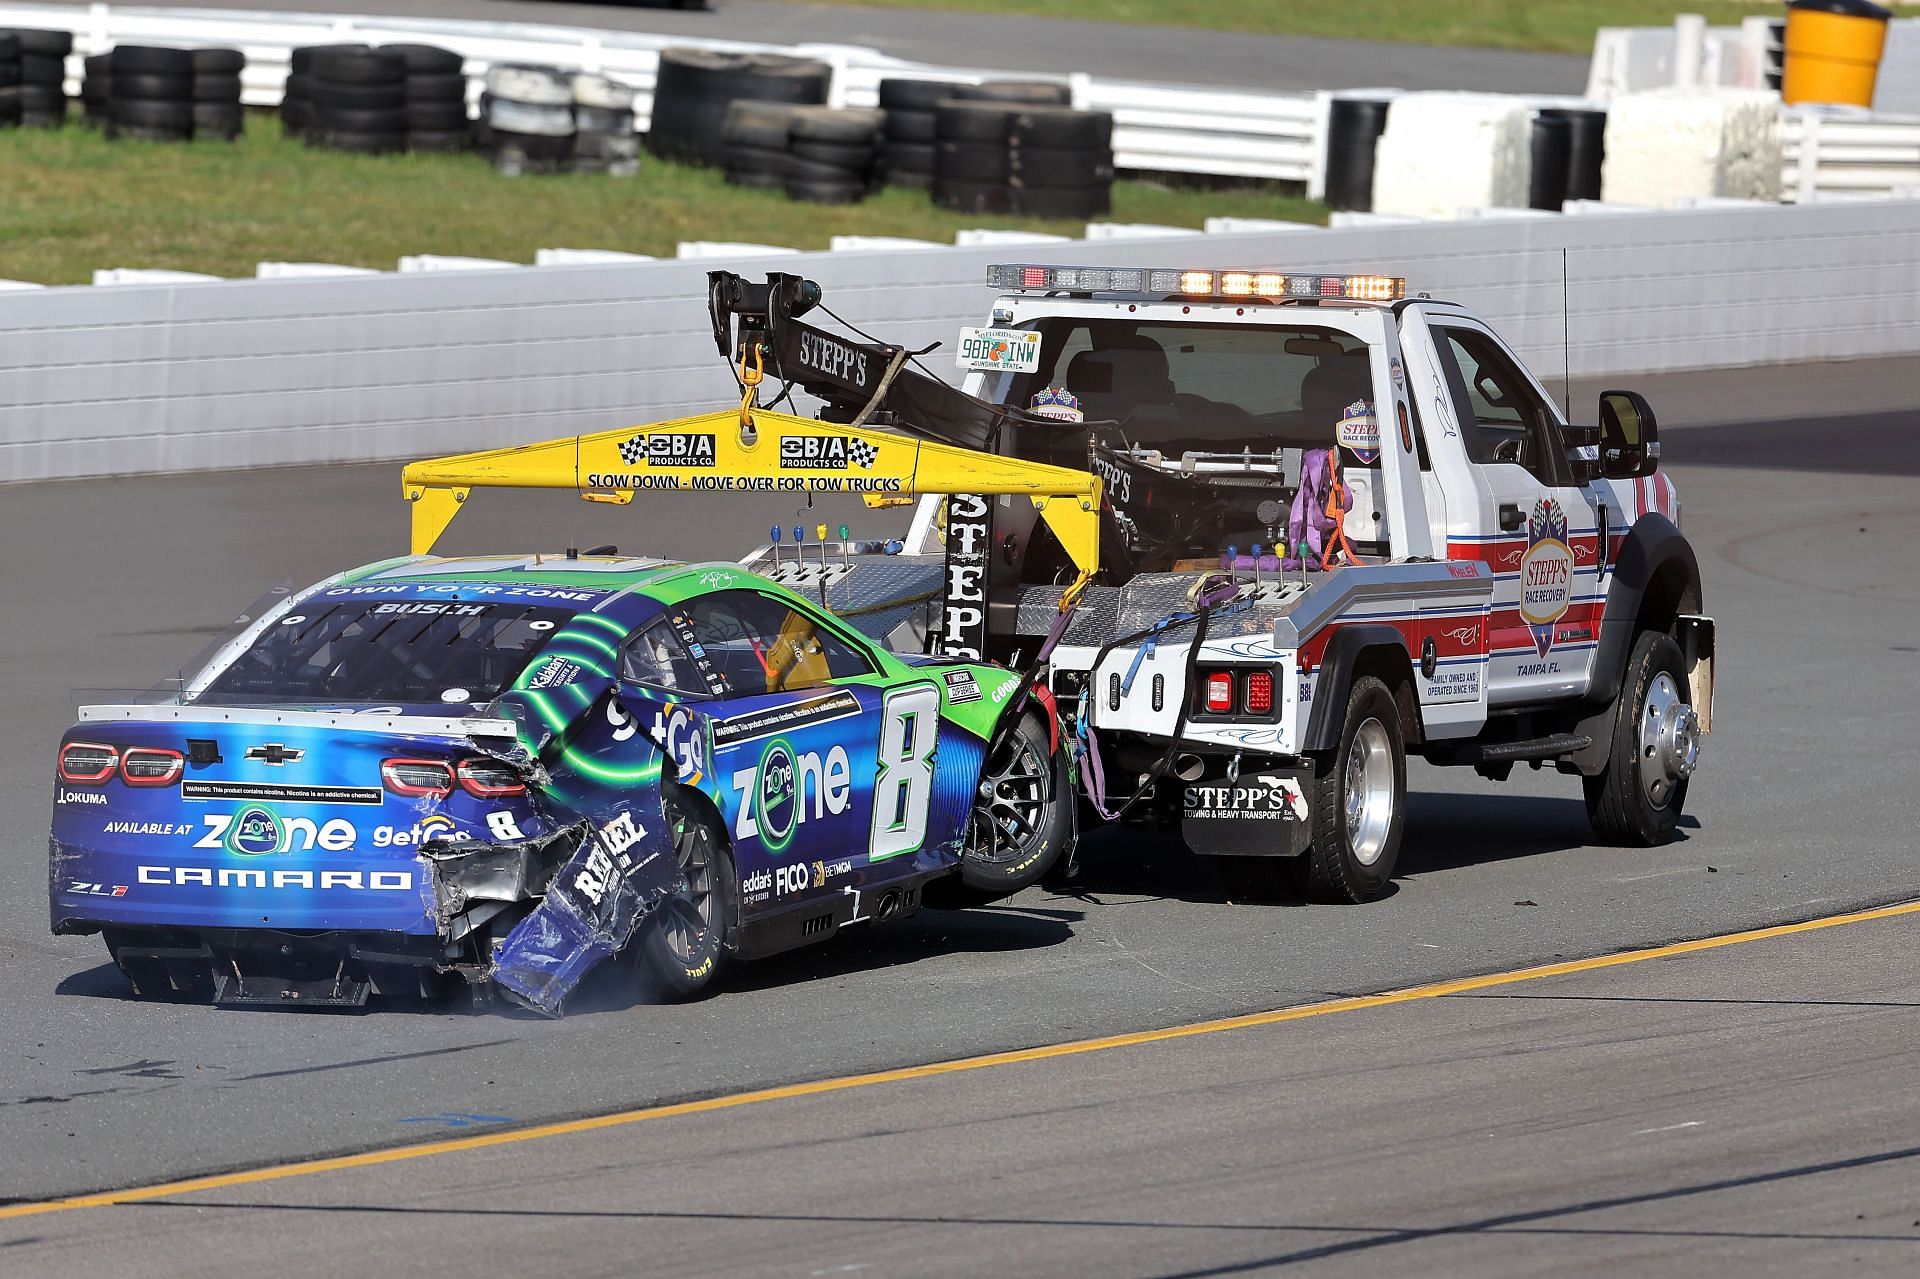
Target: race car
[(509, 769)]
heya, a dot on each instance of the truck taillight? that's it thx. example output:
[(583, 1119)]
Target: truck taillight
[(1220, 692), (489, 778), (88, 763), (151, 766), (1260, 692), (417, 777)]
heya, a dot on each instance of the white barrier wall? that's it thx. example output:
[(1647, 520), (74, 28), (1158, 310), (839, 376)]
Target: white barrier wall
[(240, 373)]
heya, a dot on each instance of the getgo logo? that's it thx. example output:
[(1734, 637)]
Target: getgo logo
[(776, 805), (255, 832)]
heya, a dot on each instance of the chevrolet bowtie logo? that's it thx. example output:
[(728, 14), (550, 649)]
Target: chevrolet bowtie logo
[(275, 753)]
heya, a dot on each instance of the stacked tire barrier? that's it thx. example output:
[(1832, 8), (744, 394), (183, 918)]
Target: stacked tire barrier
[(821, 155), (1042, 159), (216, 94), (911, 129), (151, 93), (33, 72), (529, 117), (359, 99), (604, 140), (96, 87), (435, 98), (694, 88), (756, 135)]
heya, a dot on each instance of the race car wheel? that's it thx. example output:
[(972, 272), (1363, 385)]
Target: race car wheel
[(1359, 800), (682, 943), (1021, 819), (1638, 798)]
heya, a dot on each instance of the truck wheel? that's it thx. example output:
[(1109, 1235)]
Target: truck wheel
[(1019, 823), (683, 942), (1638, 798), (1359, 800)]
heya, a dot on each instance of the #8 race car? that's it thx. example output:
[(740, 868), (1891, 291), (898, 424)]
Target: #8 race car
[(510, 769)]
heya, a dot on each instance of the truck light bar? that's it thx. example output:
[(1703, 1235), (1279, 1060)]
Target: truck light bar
[(1233, 283)]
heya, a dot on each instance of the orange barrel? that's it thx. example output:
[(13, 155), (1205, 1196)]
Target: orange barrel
[(1833, 51)]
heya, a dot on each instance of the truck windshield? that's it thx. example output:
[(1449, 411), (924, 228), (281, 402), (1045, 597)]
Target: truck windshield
[(1201, 387)]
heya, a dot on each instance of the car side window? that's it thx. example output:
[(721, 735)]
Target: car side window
[(656, 658), (1504, 419), (758, 644)]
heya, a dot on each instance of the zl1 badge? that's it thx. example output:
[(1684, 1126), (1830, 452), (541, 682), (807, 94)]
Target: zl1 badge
[(998, 350)]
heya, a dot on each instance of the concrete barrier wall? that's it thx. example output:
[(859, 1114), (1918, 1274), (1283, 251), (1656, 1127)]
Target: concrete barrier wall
[(140, 379)]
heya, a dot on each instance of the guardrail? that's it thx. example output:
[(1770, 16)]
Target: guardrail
[(1837, 153), (1157, 128)]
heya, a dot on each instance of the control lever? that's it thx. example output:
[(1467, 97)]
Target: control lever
[(1510, 517)]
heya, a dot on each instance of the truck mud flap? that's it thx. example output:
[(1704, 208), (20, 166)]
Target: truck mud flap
[(1264, 814)]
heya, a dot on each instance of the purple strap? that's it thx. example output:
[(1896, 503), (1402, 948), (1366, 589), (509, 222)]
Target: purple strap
[(1308, 521)]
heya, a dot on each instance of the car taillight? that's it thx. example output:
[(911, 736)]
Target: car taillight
[(417, 776), (488, 778), (1220, 692), (87, 763), (1259, 692), (151, 766)]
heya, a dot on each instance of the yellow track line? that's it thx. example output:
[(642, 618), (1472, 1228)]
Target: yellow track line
[(620, 1119)]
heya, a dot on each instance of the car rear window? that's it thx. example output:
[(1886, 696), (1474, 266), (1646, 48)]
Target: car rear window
[(389, 651)]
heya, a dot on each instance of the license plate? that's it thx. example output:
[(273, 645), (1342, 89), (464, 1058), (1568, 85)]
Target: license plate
[(998, 350)]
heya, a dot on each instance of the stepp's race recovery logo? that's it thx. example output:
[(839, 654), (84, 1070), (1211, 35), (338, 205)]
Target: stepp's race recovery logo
[(255, 832), (1546, 572)]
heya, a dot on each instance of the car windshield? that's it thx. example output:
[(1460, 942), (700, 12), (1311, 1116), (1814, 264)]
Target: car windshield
[(402, 651), (1202, 387)]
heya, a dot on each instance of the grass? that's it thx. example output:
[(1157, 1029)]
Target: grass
[(75, 201), (1556, 26)]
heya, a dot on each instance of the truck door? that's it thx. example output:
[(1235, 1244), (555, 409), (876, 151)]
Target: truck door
[(1536, 529)]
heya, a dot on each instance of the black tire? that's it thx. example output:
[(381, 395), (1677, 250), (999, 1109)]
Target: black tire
[(972, 197), (357, 97), (958, 121), (362, 143), (146, 59), (222, 121), (43, 98), (970, 162), (764, 160), (354, 120), (757, 124), (800, 169), (1015, 836), (1054, 167), (48, 117), (916, 95), (817, 191), (534, 146), (912, 126), (42, 68), (296, 116), (844, 156), (1635, 801), (216, 87), (1076, 203), (147, 132), (603, 120), (426, 59), (435, 86), (97, 64), (436, 117), (41, 43), (836, 125), (9, 46), (344, 64), (1021, 91), (299, 88), (682, 944), (300, 61), (440, 140), (141, 113), (1063, 128), (218, 62), (910, 157), (756, 179), (765, 77), (10, 74), (916, 179), (96, 88), (152, 88), (1344, 865)]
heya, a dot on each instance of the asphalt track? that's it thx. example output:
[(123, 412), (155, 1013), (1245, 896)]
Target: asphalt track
[(1798, 491), (1012, 43)]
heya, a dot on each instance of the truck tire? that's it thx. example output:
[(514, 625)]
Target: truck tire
[(682, 944), (1359, 800), (1020, 823), (1637, 799)]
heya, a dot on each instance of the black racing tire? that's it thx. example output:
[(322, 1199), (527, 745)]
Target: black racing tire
[(757, 124), (915, 179), (440, 140), (41, 42), (356, 120), (916, 95), (765, 160), (1075, 203), (1063, 128), (42, 98), (912, 126), (357, 97), (910, 157), (819, 191), (10, 74), (534, 146), (765, 77), (756, 179), (42, 68), (216, 87), (972, 197), (682, 944), (1632, 802), (141, 113), (1035, 93), (152, 88), (970, 162), (218, 62), (841, 126), (1058, 167), (435, 86), (9, 47), (146, 59), (96, 64), (845, 157), (10, 111), (96, 88), (344, 65), (801, 169), (223, 121), (1016, 835), (299, 88), (432, 116), (960, 121), (296, 115), (300, 61), (368, 142), (426, 59), (54, 117), (1345, 863)]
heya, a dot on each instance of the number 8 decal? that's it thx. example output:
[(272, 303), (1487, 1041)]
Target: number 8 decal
[(909, 727)]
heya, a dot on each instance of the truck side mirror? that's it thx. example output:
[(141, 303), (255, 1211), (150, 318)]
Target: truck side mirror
[(1629, 436)]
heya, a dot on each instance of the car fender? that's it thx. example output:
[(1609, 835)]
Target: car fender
[(1335, 677), (1650, 548)]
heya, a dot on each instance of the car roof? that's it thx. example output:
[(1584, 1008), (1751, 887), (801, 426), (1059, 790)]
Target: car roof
[(578, 572)]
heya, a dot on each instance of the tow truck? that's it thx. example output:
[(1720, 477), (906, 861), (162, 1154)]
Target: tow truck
[(1322, 525)]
